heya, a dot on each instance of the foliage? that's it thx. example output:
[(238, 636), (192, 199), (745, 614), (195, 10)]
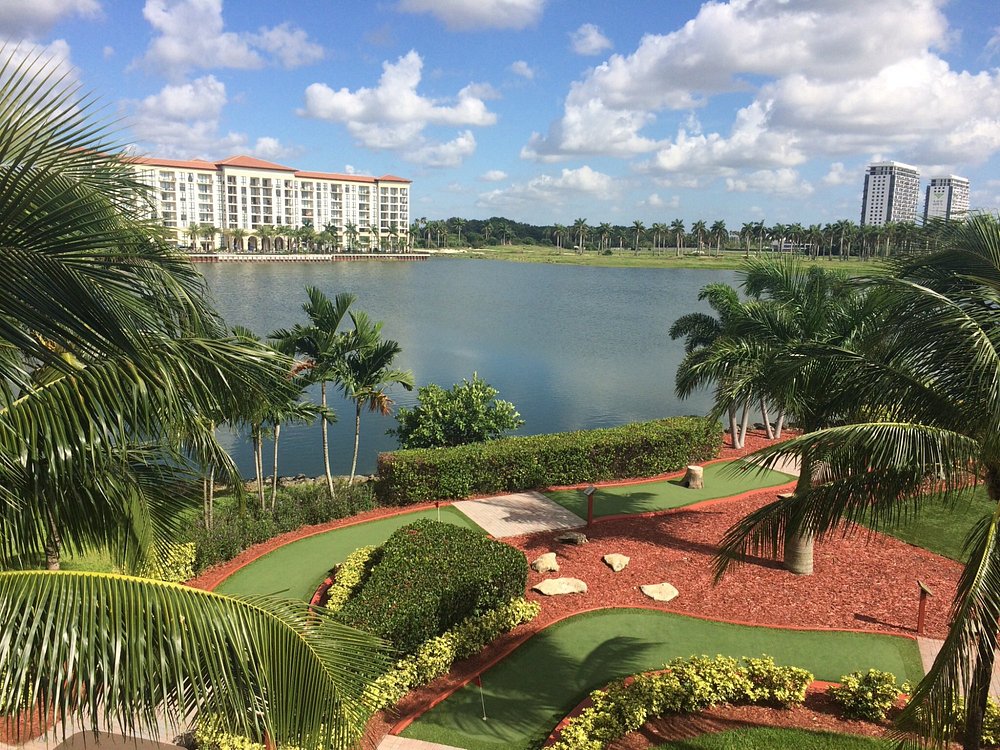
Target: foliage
[(435, 656), (348, 577), (520, 463), (685, 686), (469, 412), (237, 527), (429, 577), (866, 695), (174, 565)]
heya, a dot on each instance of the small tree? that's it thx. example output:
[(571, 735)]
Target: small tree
[(468, 413)]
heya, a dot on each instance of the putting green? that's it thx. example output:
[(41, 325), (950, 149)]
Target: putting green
[(721, 480), (531, 690), (297, 568)]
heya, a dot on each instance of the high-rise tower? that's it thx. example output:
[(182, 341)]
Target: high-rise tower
[(891, 193), (947, 198)]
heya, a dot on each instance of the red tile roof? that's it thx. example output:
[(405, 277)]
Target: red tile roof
[(333, 176), (175, 163), (392, 178), (250, 162)]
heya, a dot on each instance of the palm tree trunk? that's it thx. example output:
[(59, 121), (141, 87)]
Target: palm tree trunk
[(734, 430), (778, 425), (274, 468), (744, 421), (326, 449), (210, 518), (258, 464), (357, 435), (799, 546), (979, 693), (53, 545), (767, 420)]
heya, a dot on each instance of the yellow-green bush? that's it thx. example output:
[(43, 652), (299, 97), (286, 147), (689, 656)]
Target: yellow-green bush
[(348, 577), (175, 565), (866, 695)]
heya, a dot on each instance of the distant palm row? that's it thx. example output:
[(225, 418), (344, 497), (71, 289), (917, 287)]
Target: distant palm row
[(843, 238)]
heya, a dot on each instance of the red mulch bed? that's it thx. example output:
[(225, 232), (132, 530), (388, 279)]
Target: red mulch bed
[(25, 726), (861, 582)]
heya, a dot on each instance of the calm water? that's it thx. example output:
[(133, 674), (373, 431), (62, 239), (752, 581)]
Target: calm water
[(572, 348)]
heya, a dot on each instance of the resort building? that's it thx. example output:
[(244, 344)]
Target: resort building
[(246, 204), (891, 192), (947, 198)]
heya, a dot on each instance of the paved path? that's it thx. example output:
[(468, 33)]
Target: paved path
[(521, 513), (929, 648), (392, 742)]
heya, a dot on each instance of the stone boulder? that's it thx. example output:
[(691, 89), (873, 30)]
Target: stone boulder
[(661, 592), (546, 563), (572, 537), (616, 562), (559, 586)]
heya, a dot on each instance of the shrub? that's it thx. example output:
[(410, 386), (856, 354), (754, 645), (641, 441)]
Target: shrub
[(435, 656), (468, 413), (348, 577), (237, 528), (176, 565), (519, 463), (687, 685), (866, 695), (430, 577)]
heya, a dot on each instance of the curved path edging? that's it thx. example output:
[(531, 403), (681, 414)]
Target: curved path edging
[(509, 648)]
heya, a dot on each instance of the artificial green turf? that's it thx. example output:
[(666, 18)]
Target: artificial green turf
[(721, 480), (531, 690), (296, 569), (766, 738), (942, 527)]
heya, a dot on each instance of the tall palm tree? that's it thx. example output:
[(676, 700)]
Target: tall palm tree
[(458, 222), (351, 235), (324, 346), (604, 232), (638, 227), (193, 233), (580, 232), (931, 378), (677, 227), (720, 234), (366, 373), (266, 233), (113, 366), (208, 232), (558, 231), (699, 229)]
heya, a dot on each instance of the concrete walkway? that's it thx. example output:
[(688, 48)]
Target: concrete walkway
[(521, 513), (929, 648), (392, 742)]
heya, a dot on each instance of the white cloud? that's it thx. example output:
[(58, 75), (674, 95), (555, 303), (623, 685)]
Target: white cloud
[(493, 175), (826, 78), (29, 19), (182, 121), (394, 116), (993, 45), (655, 201), (465, 15), (784, 182), (191, 34), (521, 68), (108, 52), (570, 184), (838, 175), (588, 40)]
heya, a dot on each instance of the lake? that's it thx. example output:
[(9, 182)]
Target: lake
[(571, 347)]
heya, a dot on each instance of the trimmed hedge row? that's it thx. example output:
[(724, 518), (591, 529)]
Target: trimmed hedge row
[(520, 463), (429, 576), (688, 685)]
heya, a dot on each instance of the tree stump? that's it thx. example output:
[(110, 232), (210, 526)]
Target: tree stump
[(694, 479)]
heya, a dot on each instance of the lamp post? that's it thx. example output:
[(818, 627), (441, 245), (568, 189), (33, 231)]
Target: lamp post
[(921, 610), (589, 492)]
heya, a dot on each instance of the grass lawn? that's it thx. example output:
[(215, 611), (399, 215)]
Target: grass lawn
[(942, 528), (767, 739), (531, 690), (730, 260), (720, 481), (296, 569)]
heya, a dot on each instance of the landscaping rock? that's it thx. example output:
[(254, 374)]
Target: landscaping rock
[(572, 537), (546, 563), (558, 586), (616, 562), (661, 592), (694, 479)]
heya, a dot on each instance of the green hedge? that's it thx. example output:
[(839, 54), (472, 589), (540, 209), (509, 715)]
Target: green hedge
[(429, 577), (519, 463)]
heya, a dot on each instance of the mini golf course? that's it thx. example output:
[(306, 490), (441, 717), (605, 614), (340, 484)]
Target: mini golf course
[(532, 689), (296, 569), (722, 479)]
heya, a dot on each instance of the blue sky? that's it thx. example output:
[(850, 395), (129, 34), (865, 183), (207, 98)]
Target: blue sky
[(549, 110)]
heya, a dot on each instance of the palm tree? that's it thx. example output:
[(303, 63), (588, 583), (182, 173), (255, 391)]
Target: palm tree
[(367, 371), (351, 235), (113, 367), (604, 232), (193, 233), (677, 227), (558, 231), (720, 234), (930, 380), (238, 235), (458, 223), (580, 232), (266, 233), (638, 227), (324, 347), (699, 229), (208, 232), (660, 231)]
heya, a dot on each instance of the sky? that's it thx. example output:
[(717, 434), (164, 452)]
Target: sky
[(546, 111)]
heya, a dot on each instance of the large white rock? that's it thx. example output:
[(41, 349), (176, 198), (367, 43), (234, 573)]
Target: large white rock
[(616, 562), (546, 563), (661, 592), (558, 586)]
